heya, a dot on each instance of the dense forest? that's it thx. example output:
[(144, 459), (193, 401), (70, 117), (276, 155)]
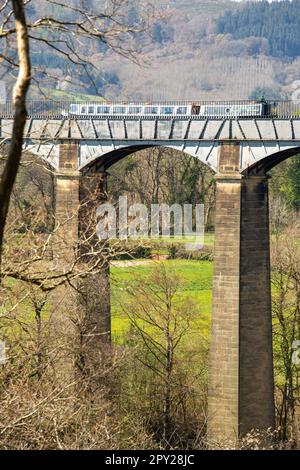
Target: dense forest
[(258, 19), (235, 38)]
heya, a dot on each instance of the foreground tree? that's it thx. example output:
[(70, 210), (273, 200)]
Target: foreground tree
[(286, 312), (19, 96), (64, 28), (163, 370)]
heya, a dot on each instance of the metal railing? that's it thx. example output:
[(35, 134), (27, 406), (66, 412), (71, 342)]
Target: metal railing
[(61, 109), (37, 109)]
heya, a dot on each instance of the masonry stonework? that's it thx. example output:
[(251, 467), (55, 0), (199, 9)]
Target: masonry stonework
[(67, 202), (77, 199), (64, 248), (223, 401), (241, 369), (93, 191), (256, 389)]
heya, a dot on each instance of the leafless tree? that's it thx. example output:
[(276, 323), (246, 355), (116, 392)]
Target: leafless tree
[(161, 325), (286, 311), (19, 96), (162, 175), (281, 214), (63, 29), (69, 280), (45, 331)]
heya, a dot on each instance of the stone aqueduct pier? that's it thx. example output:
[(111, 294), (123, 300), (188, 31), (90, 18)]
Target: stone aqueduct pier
[(240, 152)]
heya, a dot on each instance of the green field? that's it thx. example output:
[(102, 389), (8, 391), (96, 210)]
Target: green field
[(196, 285), (184, 239), (60, 95)]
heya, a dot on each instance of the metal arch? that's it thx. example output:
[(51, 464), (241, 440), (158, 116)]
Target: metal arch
[(266, 164), (110, 155)]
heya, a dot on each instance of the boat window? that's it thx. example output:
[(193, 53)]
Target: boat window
[(150, 109), (214, 110), (167, 109), (91, 110), (119, 110), (134, 110), (73, 108), (83, 110), (102, 109), (182, 110)]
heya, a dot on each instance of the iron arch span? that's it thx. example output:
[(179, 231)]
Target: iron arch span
[(266, 164), (105, 157), (105, 161), (255, 158)]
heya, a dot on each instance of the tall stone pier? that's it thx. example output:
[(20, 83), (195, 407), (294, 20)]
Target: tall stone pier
[(241, 390), (88, 305), (64, 247), (96, 285), (67, 203)]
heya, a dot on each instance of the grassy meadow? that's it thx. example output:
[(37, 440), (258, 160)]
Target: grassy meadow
[(196, 285)]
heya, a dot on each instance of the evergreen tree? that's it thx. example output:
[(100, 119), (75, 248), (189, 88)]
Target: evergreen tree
[(278, 22), (293, 183)]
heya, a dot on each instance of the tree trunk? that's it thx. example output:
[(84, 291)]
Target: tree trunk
[(168, 378), (19, 95)]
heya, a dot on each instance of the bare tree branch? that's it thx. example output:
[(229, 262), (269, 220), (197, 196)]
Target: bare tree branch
[(19, 96)]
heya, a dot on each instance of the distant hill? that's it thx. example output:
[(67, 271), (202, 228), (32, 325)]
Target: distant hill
[(278, 22), (197, 49), (60, 95), (187, 45)]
